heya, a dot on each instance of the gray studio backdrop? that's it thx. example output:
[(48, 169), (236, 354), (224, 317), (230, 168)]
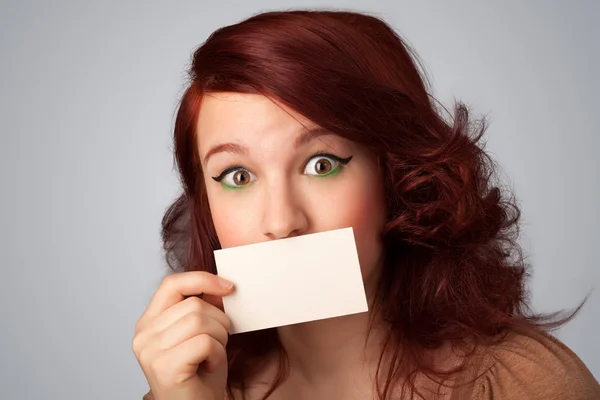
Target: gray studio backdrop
[(87, 100)]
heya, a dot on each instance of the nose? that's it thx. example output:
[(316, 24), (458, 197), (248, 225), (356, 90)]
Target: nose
[(284, 215)]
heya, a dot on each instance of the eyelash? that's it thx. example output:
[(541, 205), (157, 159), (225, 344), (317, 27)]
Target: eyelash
[(342, 161), (226, 171)]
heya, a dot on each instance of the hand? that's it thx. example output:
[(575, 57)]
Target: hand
[(180, 341)]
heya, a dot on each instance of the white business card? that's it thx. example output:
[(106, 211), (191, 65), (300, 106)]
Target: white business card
[(292, 280)]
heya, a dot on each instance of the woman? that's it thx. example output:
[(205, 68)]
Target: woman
[(299, 122)]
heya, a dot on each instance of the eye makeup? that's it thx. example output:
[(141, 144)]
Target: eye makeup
[(338, 164), (220, 177), (234, 182), (322, 161)]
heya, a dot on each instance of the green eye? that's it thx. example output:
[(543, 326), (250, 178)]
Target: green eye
[(325, 165)]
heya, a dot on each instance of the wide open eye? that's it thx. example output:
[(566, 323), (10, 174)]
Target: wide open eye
[(325, 165), (235, 178)]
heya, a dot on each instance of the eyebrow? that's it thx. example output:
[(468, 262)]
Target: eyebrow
[(306, 136), (226, 148)]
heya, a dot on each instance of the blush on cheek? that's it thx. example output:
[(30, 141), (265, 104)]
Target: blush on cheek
[(367, 211), (226, 232), (367, 226), (235, 229), (369, 251)]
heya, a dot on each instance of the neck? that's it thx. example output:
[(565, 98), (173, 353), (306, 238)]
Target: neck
[(320, 350), (335, 348)]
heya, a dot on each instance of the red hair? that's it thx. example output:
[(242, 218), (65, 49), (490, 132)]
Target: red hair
[(454, 272)]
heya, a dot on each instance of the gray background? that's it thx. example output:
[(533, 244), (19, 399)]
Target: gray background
[(88, 95)]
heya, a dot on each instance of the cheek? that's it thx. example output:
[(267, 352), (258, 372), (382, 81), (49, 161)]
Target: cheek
[(233, 223), (362, 207), (227, 233), (368, 219)]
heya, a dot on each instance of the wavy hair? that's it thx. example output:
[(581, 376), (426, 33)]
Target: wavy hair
[(454, 272)]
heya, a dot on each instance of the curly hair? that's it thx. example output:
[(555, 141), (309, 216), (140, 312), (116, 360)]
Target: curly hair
[(454, 271)]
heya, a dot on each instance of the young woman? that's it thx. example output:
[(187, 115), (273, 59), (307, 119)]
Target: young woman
[(300, 122)]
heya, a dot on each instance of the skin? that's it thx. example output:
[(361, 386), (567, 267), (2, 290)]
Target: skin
[(283, 195), (286, 197)]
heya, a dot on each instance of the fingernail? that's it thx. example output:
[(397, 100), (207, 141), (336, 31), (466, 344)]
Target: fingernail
[(225, 284)]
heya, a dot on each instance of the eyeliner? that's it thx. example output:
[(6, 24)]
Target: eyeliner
[(226, 171)]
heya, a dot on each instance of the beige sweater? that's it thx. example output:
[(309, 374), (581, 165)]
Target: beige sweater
[(527, 365)]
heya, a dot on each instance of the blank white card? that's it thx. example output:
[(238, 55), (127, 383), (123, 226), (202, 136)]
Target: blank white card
[(292, 280)]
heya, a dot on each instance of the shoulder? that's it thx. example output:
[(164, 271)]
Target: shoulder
[(532, 365)]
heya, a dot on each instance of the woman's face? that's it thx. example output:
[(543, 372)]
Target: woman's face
[(268, 177)]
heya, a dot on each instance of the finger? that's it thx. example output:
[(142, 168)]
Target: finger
[(188, 326), (187, 306), (176, 287), (216, 301), (195, 351)]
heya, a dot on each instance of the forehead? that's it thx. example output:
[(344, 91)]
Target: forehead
[(236, 116)]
